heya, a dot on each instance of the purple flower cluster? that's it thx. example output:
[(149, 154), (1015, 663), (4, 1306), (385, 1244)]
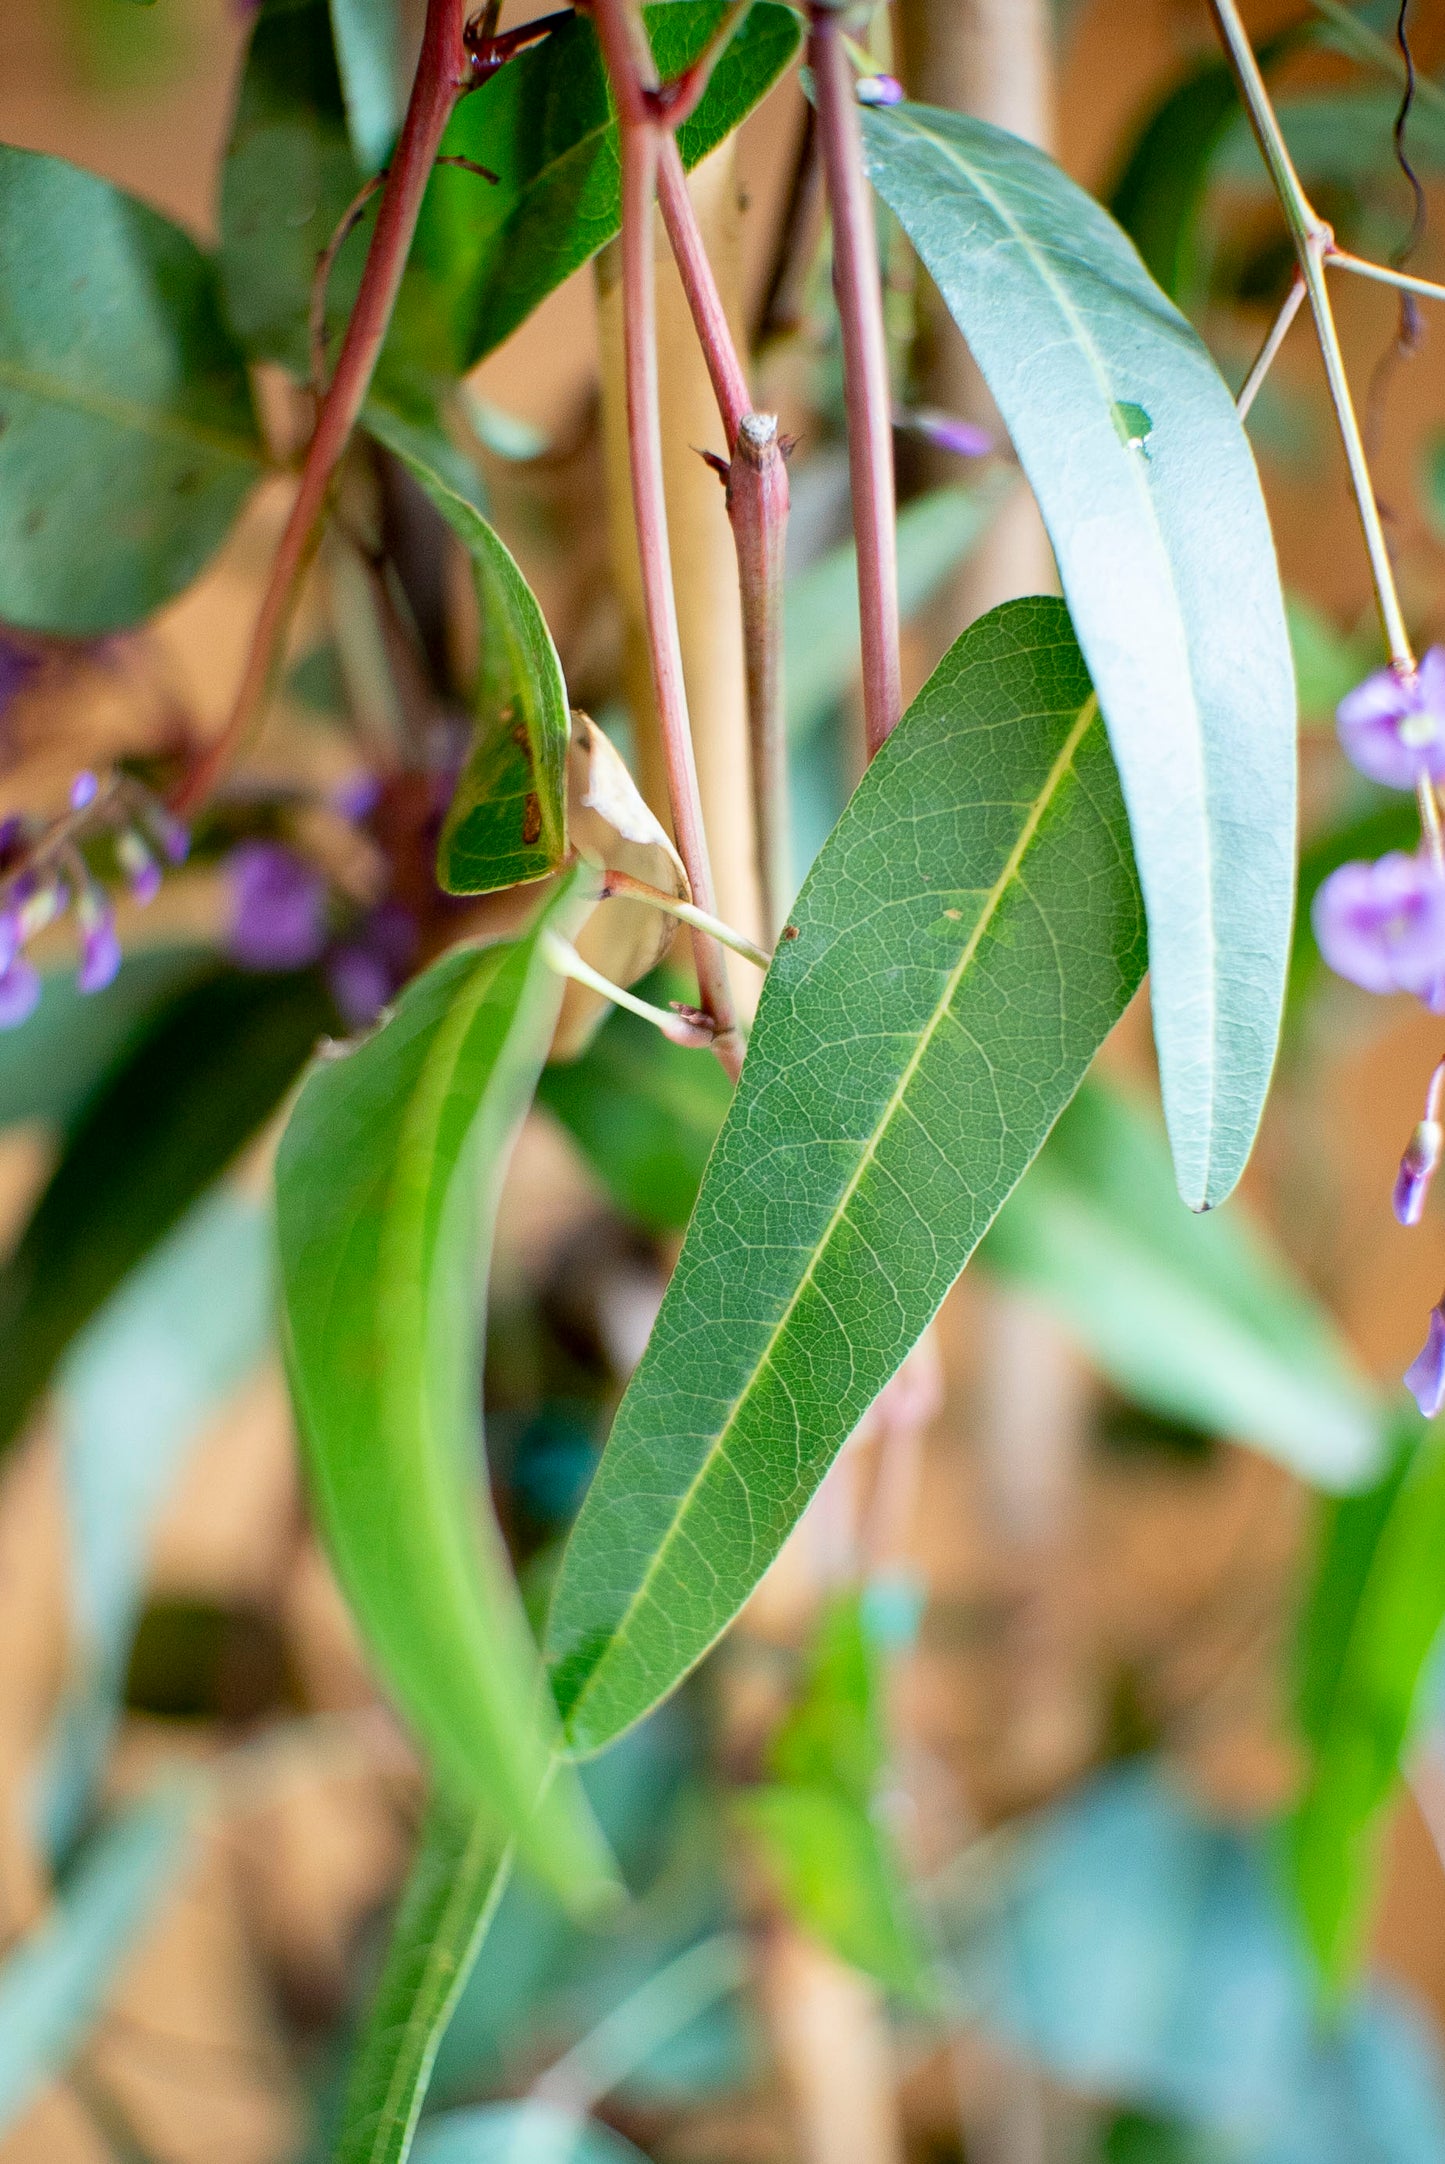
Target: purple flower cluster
[(280, 918), (44, 874)]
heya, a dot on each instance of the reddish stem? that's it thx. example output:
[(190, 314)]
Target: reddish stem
[(730, 385), (639, 133), (859, 289), (444, 71)]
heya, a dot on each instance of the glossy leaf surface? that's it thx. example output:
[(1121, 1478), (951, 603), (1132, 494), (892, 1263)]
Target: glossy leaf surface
[(387, 1182), (968, 936), (54, 1981), (484, 255), (1166, 559), (1194, 1319), (507, 820), (127, 440), (167, 1122), (364, 33), (458, 1877), (1373, 1619)]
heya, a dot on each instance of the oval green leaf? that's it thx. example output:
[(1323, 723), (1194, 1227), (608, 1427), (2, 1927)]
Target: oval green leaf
[(127, 438), (387, 1183), (968, 936), (1165, 555), (507, 821)]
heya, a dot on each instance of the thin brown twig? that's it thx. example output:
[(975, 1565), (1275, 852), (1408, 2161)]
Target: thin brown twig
[(444, 72)]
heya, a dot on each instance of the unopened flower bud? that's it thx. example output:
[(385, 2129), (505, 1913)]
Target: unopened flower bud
[(878, 90), (142, 872), (19, 993), (946, 431), (83, 790), (99, 946), (689, 1027), (40, 905), (1425, 1377), (1417, 1169)]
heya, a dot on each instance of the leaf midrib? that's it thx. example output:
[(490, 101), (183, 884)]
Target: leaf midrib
[(1060, 295), (138, 420), (1013, 863)]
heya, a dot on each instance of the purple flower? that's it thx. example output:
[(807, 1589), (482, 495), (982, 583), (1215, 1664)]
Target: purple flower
[(99, 947), (142, 872), (1418, 1167), (1393, 726), (9, 938), (1425, 1376), (278, 908), (947, 431), (367, 969), (19, 993), (1382, 925), (83, 790), (878, 90)]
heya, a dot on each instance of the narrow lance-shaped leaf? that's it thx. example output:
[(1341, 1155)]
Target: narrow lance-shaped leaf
[(968, 936), (127, 439), (1372, 1621), (459, 1875), (365, 35), (1164, 550), (507, 820), (1195, 1319), (387, 1182)]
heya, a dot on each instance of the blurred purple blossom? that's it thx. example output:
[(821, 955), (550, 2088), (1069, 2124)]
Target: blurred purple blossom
[(278, 907), (1425, 1376), (1393, 726), (1418, 1167), (879, 90), (99, 946), (1382, 925), (946, 431), (19, 993), (143, 874), (367, 970), (83, 790)]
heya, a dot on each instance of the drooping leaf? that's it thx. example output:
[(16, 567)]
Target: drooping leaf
[(1173, 587), (1340, 137), (1373, 1618), (364, 33), (51, 1067), (54, 1981), (162, 1127), (936, 533), (507, 820), (644, 1113), (1193, 1318), (387, 1182), (127, 439), (966, 939), (817, 1817), (457, 1879), (484, 255), (184, 1330)]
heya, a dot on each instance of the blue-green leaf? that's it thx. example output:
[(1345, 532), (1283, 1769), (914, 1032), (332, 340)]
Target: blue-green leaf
[(368, 55), (968, 936), (1164, 550)]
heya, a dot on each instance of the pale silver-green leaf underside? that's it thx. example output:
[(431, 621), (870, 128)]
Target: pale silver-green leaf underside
[(968, 936), (1147, 485)]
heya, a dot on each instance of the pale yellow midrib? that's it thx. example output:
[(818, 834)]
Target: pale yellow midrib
[(994, 898)]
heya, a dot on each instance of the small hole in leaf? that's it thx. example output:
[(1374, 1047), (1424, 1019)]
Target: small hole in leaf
[(1134, 424)]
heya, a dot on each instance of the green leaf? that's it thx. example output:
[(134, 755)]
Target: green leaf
[(817, 1818), (387, 1184), (127, 439), (1373, 1618), (484, 256), (1339, 138), (166, 1124), (1196, 1319), (532, 2132), (936, 533), (507, 820), (643, 1112), (1434, 483), (1327, 662), (968, 936), (368, 52), (457, 1879), (1173, 589), (1160, 192), (74, 1039), (54, 1981), (184, 1330)]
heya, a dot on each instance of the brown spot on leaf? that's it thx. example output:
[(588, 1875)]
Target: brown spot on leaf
[(532, 817)]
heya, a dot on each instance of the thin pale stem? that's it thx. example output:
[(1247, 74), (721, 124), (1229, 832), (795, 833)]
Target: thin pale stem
[(616, 29), (1265, 359), (615, 883), (1384, 274), (443, 73), (865, 362), (678, 1028), (1314, 242), (757, 504)]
